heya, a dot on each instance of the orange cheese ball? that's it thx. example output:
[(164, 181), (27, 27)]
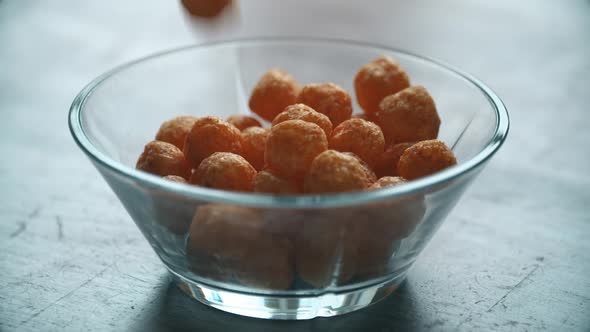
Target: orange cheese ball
[(163, 159), (408, 116), (243, 121), (230, 241), (305, 113), (205, 8), (266, 182), (334, 172), (387, 162), (292, 146), (225, 171), (425, 158), (387, 181), (254, 144), (328, 99), (175, 178), (360, 137), (364, 116), (208, 135), (175, 131), (275, 90), (378, 79)]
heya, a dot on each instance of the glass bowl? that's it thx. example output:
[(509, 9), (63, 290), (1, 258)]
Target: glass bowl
[(277, 257)]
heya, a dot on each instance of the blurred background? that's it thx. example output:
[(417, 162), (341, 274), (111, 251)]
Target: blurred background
[(53, 224)]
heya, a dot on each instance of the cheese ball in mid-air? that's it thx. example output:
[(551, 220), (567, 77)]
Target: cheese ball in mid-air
[(243, 121), (408, 116), (387, 181), (305, 113), (361, 137), (292, 146), (230, 242), (161, 158), (275, 90), (205, 8), (174, 131), (254, 144), (378, 79), (266, 182), (225, 171), (387, 163), (335, 172), (208, 135), (328, 99), (425, 158)]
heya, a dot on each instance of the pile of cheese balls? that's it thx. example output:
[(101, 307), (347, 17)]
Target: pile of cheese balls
[(315, 144)]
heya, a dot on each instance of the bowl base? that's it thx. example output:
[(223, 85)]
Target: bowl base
[(287, 307)]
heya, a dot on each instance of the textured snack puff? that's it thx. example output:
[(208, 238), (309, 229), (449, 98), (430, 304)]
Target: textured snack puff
[(243, 121), (292, 146), (387, 181), (205, 8), (328, 99), (408, 116), (266, 182), (254, 144), (387, 162), (378, 79), (208, 135), (335, 172), (425, 158), (225, 171), (228, 242), (174, 131), (275, 90), (363, 138), (163, 159), (304, 113)]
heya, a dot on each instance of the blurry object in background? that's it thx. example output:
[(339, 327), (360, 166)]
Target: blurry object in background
[(205, 8)]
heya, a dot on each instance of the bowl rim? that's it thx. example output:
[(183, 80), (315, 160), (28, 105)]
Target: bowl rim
[(289, 201)]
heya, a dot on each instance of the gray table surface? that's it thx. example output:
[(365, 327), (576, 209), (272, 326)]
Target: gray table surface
[(512, 256)]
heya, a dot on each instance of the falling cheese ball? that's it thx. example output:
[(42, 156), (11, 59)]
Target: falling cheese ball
[(205, 8), (161, 158), (275, 90), (378, 79)]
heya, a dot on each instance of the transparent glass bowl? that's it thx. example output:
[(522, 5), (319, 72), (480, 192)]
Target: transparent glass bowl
[(279, 257)]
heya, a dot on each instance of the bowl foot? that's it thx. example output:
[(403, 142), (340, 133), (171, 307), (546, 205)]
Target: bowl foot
[(287, 307)]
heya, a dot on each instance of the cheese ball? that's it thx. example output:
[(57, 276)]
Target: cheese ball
[(161, 158), (408, 116), (243, 121), (225, 171), (364, 116), (363, 138), (378, 79), (387, 162), (328, 99), (387, 181), (292, 146), (230, 242), (174, 131), (275, 90), (266, 182), (425, 158), (305, 113), (208, 135), (335, 172), (205, 8), (254, 144)]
